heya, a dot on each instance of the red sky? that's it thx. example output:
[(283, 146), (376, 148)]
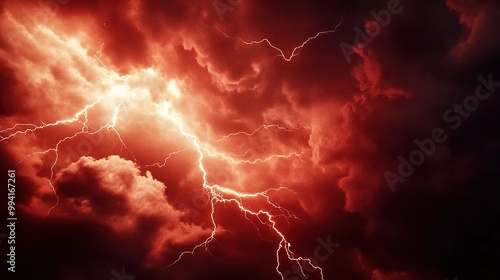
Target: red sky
[(140, 130)]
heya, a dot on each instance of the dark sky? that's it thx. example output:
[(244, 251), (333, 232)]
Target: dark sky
[(257, 137)]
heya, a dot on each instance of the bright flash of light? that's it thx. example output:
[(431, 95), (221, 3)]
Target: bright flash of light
[(118, 100), (173, 89), (219, 194)]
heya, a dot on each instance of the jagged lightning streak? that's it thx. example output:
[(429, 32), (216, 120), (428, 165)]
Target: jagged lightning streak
[(231, 157), (219, 194), (98, 56), (264, 126), (160, 165), (257, 160), (80, 117), (234, 161), (33, 128), (295, 51), (218, 197)]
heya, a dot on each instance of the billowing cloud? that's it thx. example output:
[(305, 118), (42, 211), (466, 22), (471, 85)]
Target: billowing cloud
[(141, 129)]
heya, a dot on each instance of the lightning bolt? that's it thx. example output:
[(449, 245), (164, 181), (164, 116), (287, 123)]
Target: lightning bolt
[(264, 126), (222, 195), (98, 55), (231, 158), (80, 117), (218, 195), (161, 165), (295, 51)]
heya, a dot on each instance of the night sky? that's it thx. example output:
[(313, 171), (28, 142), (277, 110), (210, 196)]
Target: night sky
[(238, 139)]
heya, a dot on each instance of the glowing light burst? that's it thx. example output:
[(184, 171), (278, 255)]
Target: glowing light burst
[(295, 51), (217, 194)]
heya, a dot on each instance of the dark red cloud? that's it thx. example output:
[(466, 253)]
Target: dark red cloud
[(172, 80)]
